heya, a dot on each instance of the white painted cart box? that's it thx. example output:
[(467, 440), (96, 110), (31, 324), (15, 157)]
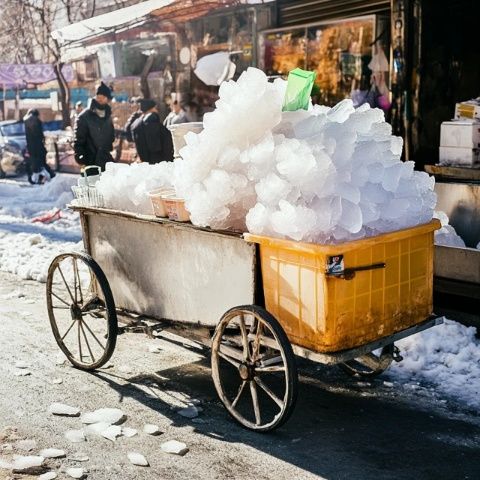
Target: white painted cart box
[(464, 134), (461, 156)]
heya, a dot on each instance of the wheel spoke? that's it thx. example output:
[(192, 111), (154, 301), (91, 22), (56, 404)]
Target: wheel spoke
[(256, 406), (269, 392), (243, 329), (77, 274), (68, 331), (93, 335), (274, 364), (256, 344), (66, 284), (86, 341), (79, 342), (61, 299), (240, 391), (230, 355), (74, 279)]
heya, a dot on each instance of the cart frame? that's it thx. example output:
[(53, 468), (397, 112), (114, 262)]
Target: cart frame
[(227, 317)]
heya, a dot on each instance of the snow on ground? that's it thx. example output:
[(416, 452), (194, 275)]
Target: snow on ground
[(26, 247), (446, 356)]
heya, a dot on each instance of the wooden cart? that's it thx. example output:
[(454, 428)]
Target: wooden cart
[(151, 275)]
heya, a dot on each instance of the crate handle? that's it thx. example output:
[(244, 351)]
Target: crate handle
[(349, 273)]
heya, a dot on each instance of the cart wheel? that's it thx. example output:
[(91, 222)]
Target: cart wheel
[(254, 368), (81, 310), (371, 364)]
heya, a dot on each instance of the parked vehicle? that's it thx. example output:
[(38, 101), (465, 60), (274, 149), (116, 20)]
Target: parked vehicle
[(13, 145)]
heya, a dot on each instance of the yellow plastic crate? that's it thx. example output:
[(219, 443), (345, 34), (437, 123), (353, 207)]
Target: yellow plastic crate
[(328, 313)]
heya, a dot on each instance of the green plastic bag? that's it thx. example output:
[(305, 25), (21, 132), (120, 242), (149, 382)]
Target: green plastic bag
[(299, 88)]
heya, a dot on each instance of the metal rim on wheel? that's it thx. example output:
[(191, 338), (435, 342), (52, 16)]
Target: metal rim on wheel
[(371, 364), (251, 352), (81, 310)]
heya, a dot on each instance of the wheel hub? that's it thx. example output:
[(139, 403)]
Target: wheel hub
[(247, 372), (76, 312)]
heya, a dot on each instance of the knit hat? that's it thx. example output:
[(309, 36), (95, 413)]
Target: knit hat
[(104, 90), (146, 104)]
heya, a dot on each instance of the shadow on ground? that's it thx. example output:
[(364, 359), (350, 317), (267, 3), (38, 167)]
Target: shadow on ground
[(337, 431)]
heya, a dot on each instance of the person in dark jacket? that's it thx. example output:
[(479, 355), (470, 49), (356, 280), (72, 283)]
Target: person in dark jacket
[(94, 131), (37, 167), (153, 141), (136, 114)]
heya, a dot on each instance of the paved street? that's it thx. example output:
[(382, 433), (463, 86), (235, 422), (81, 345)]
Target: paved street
[(341, 428)]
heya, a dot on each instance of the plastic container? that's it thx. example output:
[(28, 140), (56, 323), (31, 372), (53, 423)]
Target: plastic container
[(157, 201), (327, 312), (175, 208), (86, 193), (179, 131)]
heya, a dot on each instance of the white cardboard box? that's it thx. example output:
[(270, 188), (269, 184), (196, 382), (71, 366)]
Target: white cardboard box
[(460, 156), (464, 133), (466, 110)]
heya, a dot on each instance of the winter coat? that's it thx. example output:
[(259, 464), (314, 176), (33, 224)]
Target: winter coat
[(153, 141), (129, 125), (94, 136), (35, 138)]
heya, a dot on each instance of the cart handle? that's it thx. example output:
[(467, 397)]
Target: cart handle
[(349, 273)]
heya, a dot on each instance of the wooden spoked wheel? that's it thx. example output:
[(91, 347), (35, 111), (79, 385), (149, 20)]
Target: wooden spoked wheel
[(254, 368), (81, 310), (371, 364)]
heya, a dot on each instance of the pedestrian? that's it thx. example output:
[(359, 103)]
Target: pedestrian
[(37, 167), (76, 112), (152, 139), (136, 114), (177, 114), (191, 112), (94, 131)]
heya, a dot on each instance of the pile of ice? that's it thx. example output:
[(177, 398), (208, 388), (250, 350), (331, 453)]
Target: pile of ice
[(323, 175), (125, 187), (447, 235)]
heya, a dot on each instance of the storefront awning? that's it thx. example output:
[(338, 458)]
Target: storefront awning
[(13, 75), (187, 10), (101, 24)]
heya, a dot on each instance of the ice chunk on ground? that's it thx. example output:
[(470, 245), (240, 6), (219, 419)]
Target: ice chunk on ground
[(112, 432), (64, 410), (75, 436), (48, 476), (189, 412), (151, 429), (137, 459), (75, 472), (112, 416), (174, 447), (129, 432), (52, 453), (21, 364), (24, 464)]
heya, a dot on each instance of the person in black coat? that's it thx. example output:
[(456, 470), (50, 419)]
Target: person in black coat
[(153, 141), (37, 153), (132, 118), (94, 131)]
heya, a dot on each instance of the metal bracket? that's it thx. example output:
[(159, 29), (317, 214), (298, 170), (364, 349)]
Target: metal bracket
[(349, 273), (396, 354)]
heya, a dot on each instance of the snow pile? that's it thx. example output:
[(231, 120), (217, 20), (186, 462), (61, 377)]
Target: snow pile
[(447, 356), (27, 202), (126, 187), (27, 248), (447, 235), (326, 175)]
